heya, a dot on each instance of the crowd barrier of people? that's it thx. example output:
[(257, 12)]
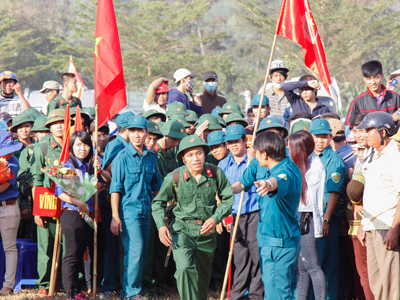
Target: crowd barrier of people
[(319, 217)]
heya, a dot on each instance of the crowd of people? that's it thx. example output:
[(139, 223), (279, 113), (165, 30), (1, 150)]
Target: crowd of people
[(319, 195)]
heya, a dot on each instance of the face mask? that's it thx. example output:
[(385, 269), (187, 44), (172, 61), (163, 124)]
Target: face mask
[(210, 86), (278, 85), (190, 85)]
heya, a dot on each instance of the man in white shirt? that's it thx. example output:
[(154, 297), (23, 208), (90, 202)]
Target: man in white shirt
[(12, 99), (381, 219)]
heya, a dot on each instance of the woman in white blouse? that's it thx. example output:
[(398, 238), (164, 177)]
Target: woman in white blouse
[(301, 149), (157, 95)]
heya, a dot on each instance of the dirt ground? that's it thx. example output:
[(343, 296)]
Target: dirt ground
[(30, 294)]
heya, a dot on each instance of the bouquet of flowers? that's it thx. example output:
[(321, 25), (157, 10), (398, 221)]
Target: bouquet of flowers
[(73, 182), (5, 172)]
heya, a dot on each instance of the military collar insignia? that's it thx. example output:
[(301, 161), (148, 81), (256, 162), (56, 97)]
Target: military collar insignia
[(53, 144), (185, 175), (209, 174), (156, 147)]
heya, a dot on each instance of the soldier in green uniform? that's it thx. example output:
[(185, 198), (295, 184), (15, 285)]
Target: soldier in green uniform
[(192, 118), (173, 132), (155, 116), (25, 180), (48, 148), (21, 125), (68, 81), (192, 232)]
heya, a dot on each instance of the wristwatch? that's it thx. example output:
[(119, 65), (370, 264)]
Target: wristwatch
[(326, 221)]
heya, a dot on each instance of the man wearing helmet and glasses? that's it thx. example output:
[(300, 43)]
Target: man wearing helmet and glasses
[(12, 99)]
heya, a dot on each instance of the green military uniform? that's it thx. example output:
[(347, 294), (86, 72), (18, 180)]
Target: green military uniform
[(18, 153), (18, 120), (47, 148), (193, 252), (24, 178), (61, 103)]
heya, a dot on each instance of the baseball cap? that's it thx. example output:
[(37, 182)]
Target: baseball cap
[(123, 119), (278, 65), (137, 122), (51, 85), (320, 126), (182, 73), (338, 129), (7, 144), (216, 138), (234, 132), (210, 75)]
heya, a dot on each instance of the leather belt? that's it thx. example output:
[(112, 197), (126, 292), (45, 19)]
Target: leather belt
[(197, 222), (8, 202)]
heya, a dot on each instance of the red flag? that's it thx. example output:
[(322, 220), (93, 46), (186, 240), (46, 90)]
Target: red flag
[(109, 82), (78, 119), (79, 81), (296, 23), (65, 147)]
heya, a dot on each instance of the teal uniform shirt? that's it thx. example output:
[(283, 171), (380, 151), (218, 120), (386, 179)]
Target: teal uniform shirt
[(278, 225), (335, 174), (135, 177), (112, 150)]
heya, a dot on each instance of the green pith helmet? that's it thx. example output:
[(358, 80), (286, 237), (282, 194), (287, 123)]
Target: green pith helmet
[(230, 107), (55, 116), (221, 121), (39, 124), (154, 113), (85, 115), (32, 112), (174, 129), (235, 117), (90, 110), (176, 108), (192, 117), (272, 122), (180, 119), (300, 124), (20, 119), (154, 128), (191, 141), (213, 123)]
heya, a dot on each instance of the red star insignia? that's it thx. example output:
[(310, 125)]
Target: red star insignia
[(192, 140), (207, 184), (156, 147), (53, 145), (228, 106), (182, 130), (178, 109), (209, 174), (185, 175), (306, 128), (156, 127)]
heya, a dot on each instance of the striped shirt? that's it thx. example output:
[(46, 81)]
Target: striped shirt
[(277, 104)]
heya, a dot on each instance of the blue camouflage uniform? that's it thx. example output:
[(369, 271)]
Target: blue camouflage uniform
[(278, 230), (135, 177)]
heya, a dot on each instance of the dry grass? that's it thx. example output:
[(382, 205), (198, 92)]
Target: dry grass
[(30, 294)]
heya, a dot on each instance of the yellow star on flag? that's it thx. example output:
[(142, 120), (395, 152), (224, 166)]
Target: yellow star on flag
[(98, 39)]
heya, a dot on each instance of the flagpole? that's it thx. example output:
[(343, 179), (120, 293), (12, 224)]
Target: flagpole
[(233, 238), (96, 204), (53, 264)]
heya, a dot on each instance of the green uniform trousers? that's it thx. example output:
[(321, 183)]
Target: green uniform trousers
[(46, 237), (193, 254)]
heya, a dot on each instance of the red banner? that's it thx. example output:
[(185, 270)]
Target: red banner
[(296, 22)]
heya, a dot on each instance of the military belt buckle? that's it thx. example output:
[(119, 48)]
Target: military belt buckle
[(198, 222)]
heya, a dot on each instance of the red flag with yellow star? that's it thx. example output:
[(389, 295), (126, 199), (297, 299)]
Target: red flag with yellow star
[(109, 82), (296, 22)]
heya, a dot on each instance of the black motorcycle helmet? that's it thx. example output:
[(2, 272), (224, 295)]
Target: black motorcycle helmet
[(379, 120)]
